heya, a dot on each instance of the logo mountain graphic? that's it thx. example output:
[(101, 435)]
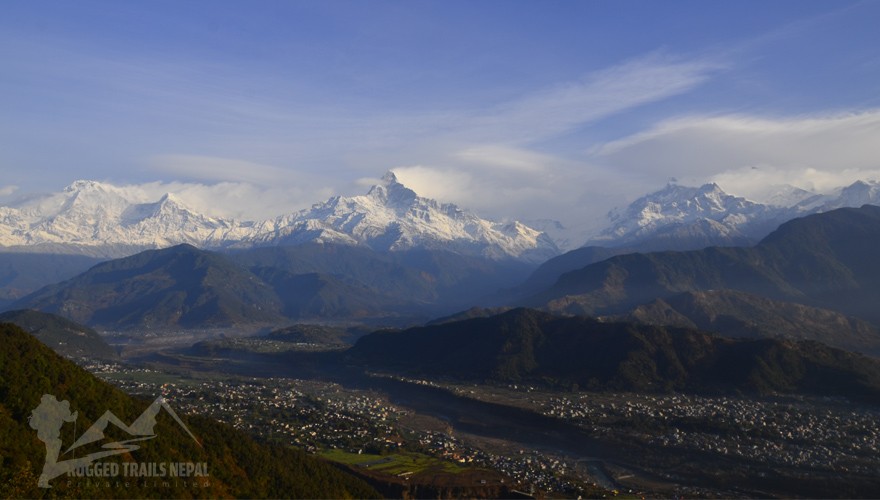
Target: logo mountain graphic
[(48, 418)]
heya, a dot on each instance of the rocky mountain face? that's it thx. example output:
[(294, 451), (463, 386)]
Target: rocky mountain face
[(99, 219), (106, 221)]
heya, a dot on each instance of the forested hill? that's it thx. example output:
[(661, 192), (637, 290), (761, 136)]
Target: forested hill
[(524, 345), (237, 465), (68, 338), (826, 260)]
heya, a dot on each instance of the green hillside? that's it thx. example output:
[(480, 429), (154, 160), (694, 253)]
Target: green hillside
[(65, 337), (237, 466)]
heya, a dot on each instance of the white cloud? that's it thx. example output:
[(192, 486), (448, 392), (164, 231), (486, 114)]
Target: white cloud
[(8, 190), (552, 111), (577, 194), (504, 158), (485, 160), (216, 169), (239, 200), (476, 157), (744, 153), (443, 184), (755, 182), (237, 188)]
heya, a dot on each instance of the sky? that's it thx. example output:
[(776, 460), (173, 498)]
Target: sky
[(515, 109)]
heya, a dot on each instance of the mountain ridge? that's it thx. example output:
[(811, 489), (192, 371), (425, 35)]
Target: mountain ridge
[(103, 220), (525, 345), (822, 260), (186, 287), (740, 315)]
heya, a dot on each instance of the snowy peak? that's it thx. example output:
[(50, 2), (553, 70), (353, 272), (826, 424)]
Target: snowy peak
[(684, 218), (783, 195), (102, 219), (679, 217), (393, 217), (682, 204), (392, 193), (855, 195)]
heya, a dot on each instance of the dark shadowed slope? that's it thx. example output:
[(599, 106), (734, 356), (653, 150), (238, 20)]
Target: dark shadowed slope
[(527, 345), (737, 314), (23, 273), (826, 260), (180, 286)]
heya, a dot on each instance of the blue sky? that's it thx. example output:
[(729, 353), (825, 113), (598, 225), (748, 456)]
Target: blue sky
[(520, 109)]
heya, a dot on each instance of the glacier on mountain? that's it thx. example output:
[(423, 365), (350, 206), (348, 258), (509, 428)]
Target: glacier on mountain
[(393, 217), (685, 218), (102, 219)]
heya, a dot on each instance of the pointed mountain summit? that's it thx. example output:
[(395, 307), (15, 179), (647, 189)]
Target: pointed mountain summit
[(393, 217)]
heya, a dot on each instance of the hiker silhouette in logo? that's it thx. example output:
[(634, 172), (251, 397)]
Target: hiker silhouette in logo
[(47, 419)]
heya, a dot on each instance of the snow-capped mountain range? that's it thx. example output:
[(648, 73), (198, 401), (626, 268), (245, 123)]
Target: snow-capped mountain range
[(682, 218), (101, 219)]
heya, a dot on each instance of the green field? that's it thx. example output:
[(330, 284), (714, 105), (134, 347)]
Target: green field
[(151, 377), (395, 463)]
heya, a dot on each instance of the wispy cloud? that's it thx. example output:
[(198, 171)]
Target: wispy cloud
[(600, 94), (813, 152), (8, 190), (275, 142), (489, 161)]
